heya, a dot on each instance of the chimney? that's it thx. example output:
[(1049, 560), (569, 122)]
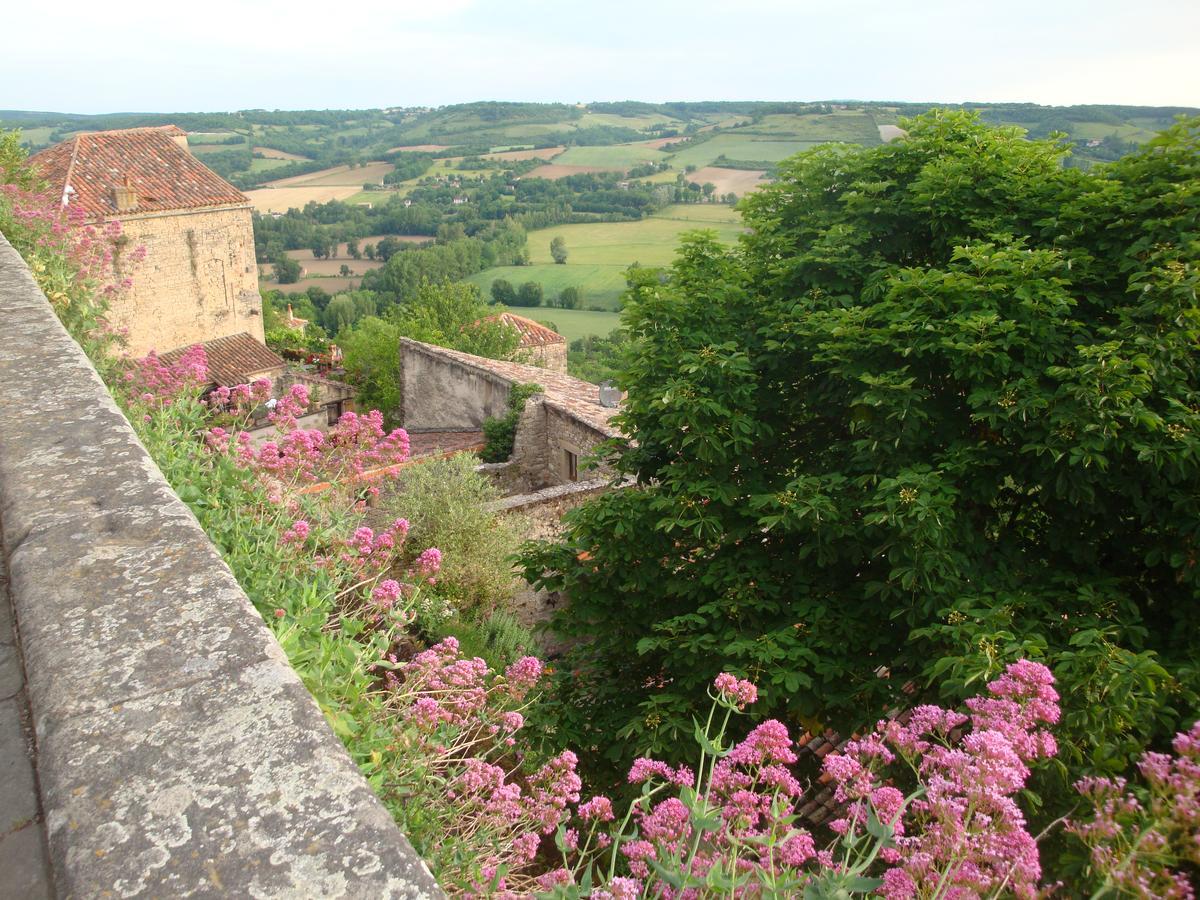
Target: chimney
[(181, 140), (125, 196)]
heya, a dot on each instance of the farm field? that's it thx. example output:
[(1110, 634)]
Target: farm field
[(618, 156), (737, 181), (272, 153), (338, 175), (554, 171), (650, 242), (330, 285), (420, 148), (599, 285), (284, 198), (266, 165), (573, 324), (599, 253), (740, 146), (517, 155), (321, 268)]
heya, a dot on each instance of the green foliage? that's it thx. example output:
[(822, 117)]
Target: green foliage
[(595, 358), (503, 292), (286, 269), (558, 250), (937, 413), (498, 434), (371, 357), (569, 297), (529, 294), (445, 502)]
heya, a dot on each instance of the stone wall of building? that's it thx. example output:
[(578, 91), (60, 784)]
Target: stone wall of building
[(548, 356), (198, 281), (439, 394), (545, 435)]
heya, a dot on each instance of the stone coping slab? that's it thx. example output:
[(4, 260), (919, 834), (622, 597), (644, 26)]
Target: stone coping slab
[(178, 752)]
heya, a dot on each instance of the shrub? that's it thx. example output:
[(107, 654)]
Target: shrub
[(500, 433), (445, 503)]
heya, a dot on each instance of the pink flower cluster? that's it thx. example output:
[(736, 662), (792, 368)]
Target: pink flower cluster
[(964, 829), (731, 688), (160, 384), (463, 717), (1139, 845)]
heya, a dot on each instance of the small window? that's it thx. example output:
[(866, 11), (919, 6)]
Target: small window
[(334, 411), (572, 466)]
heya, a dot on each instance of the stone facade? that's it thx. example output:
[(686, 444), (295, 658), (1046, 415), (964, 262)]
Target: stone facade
[(198, 281), (548, 356), (445, 390)]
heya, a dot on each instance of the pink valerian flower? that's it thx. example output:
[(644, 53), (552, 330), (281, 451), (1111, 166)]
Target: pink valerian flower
[(166, 382), (386, 593), (1142, 845), (430, 561), (730, 688), (643, 769), (599, 808), (966, 824), (297, 533)]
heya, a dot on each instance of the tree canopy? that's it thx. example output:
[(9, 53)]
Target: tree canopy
[(937, 412)]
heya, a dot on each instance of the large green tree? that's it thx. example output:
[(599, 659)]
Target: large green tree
[(939, 410)]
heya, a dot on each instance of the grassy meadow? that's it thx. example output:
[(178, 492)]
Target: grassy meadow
[(573, 324), (600, 252)]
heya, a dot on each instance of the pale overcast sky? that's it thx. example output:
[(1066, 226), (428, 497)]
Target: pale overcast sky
[(156, 56)]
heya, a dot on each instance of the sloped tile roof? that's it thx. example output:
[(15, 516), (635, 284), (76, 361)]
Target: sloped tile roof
[(233, 360), (533, 334), (164, 175)]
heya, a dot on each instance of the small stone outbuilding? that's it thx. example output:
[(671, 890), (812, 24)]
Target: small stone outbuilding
[(199, 280), (449, 391)]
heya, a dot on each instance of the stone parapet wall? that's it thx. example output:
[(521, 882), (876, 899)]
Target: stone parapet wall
[(177, 752), (198, 282)]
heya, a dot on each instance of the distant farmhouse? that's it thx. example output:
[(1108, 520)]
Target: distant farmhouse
[(199, 280)]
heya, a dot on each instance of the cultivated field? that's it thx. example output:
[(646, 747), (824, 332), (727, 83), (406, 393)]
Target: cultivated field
[(517, 155), (420, 148), (330, 285), (272, 153), (599, 253), (282, 199), (338, 175), (737, 181), (600, 285), (617, 157), (321, 268), (553, 171), (740, 146), (573, 323)]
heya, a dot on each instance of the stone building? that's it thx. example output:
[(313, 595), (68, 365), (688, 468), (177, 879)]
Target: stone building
[(446, 392), (199, 280), (542, 346)]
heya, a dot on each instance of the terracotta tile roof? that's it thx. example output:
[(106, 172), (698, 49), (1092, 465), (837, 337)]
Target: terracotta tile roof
[(162, 174), (578, 399), (533, 334), (233, 360)]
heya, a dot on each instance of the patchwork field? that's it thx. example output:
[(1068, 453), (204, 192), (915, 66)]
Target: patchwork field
[(616, 157), (338, 175), (740, 146), (600, 285), (737, 181), (420, 148), (518, 155), (553, 171), (272, 153), (266, 165), (599, 253), (573, 324), (284, 198)]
